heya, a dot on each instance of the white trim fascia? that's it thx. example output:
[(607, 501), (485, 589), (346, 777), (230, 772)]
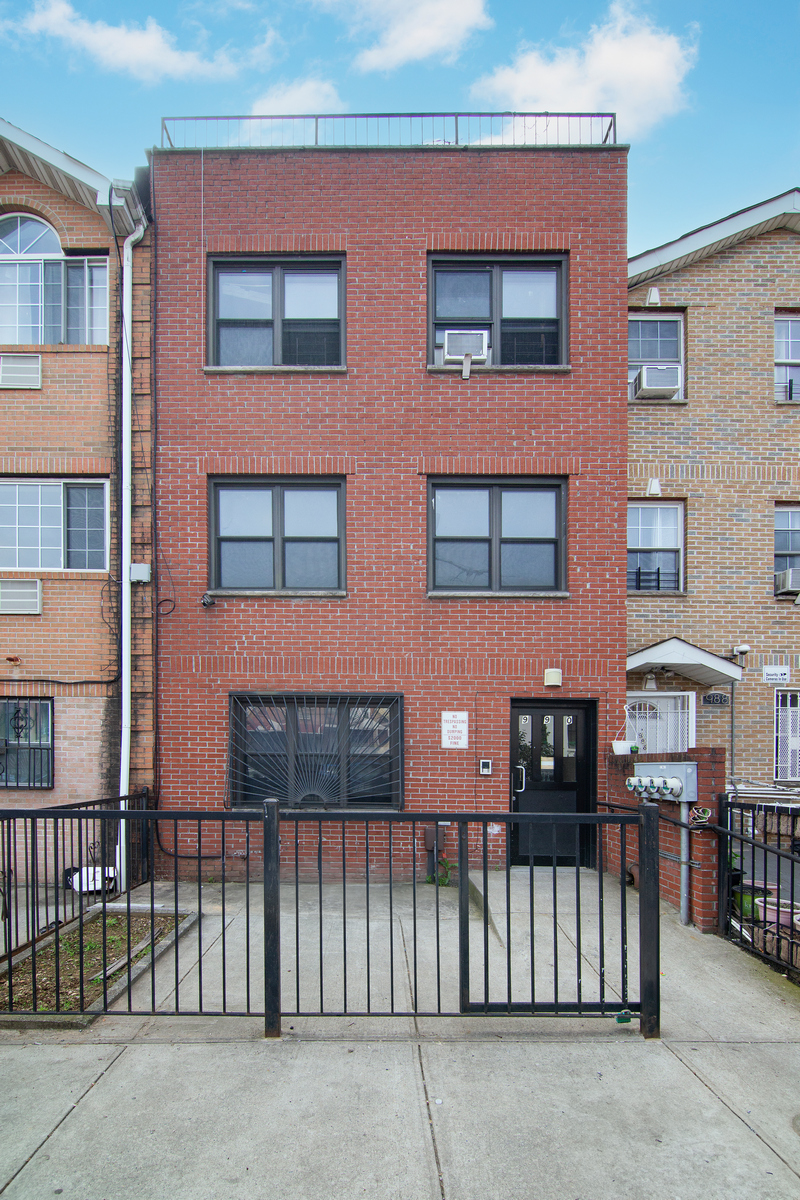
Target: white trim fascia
[(783, 210), (676, 653), (54, 158)]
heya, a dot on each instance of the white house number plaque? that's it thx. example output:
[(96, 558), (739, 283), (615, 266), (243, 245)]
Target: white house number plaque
[(455, 731)]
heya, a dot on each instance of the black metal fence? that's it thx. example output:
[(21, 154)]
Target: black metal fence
[(759, 872), (336, 913)]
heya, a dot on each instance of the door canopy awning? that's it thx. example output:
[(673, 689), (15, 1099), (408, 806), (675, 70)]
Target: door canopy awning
[(685, 659)]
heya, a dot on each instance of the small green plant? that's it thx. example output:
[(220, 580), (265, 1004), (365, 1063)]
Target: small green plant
[(444, 873)]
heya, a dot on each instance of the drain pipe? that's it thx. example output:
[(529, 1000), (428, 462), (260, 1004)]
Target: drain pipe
[(685, 861), (126, 470)]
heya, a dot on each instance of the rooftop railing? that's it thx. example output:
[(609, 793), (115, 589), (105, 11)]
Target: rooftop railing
[(429, 131)]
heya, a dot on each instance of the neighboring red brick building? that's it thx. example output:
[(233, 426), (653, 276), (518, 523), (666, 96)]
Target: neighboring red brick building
[(376, 547), (62, 599)]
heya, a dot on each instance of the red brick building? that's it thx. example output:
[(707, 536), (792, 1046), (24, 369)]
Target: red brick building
[(391, 464), (76, 681)]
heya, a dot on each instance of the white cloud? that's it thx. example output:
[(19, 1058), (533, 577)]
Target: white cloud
[(411, 30), (148, 54), (626, 65), (299, 96)]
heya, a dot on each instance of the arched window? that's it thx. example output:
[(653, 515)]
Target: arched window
[(47, 298)]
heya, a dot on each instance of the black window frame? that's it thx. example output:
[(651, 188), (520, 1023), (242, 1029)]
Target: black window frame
[(278, 266), (496, 485), (494, 264), (279, 485), (327, 783), (14, 744)]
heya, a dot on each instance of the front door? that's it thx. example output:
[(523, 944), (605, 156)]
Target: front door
[(550, 773)]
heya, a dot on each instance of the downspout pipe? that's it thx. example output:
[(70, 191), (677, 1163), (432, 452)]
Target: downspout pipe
[(126, 515)]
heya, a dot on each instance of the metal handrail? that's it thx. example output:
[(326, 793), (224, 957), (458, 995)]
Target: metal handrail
[(430, 131)]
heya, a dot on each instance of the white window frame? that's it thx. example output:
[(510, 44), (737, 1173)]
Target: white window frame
[(792, 737), (654, 698), (661, 504), (98, 328), (787, 370), (635, 365), (65, 483)]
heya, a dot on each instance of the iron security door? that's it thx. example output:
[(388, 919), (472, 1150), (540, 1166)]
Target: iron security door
[(550, 774)]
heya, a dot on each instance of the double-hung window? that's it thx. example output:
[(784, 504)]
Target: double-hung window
[(285, 313), (655, 357), (317, 750), (787, 358), (47, 298), (26, 743), (53, 525), (278, 535), (495, 536), (787, 546), (504, 312), (655, 547)]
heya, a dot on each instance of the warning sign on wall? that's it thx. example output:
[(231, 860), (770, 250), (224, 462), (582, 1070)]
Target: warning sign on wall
[(455, 731)]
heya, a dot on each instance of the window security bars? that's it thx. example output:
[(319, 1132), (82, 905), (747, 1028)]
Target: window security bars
[(345, 914), (787, 736), (316, 750), (411, 130), (26, 743), (759, 872), (659, 725)]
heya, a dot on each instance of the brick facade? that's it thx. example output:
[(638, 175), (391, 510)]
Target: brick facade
[(728, 451), (69, 429), (386, 424)]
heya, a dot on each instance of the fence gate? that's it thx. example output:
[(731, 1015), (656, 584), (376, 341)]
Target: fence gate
[(341, 913)]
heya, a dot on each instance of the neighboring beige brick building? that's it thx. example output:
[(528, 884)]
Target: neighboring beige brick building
[(67, 685), (714, 491)]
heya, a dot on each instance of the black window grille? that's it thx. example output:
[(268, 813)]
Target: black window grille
[(26, 743), (316, 750)]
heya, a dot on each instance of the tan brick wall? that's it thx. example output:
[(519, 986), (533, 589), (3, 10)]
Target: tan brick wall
[(731, 455), (69, 429)]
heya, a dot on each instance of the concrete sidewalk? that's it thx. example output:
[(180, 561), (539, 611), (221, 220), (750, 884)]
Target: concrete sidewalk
[(180, 1108)]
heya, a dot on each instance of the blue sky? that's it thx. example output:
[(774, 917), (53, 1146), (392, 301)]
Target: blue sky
[(706, 93)]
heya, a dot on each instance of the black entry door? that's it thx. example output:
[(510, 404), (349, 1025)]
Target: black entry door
[(550, 774)]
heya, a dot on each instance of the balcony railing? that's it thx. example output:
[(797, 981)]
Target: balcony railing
[(429, 131)]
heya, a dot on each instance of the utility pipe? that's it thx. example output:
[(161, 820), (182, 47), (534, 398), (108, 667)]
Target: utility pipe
[(126, 470)]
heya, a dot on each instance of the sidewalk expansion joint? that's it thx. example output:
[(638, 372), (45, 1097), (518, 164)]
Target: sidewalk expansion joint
[(430, 1123), (730, 1107), (59, 1123)]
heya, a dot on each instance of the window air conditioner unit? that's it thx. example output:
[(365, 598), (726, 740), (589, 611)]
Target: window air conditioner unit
[(20, 370), (787, 583), (20, 596), (656, 382), (460, 342)]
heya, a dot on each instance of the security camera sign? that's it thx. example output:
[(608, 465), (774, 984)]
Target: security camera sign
[(455, 731), (777, 676)]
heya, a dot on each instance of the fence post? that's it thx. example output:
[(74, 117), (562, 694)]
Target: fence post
[(272, 921), (649, 923)]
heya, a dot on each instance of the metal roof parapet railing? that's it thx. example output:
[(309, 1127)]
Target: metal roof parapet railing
[(343, 131)]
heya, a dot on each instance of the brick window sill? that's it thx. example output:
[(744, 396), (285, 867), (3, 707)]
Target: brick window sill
[(285, 594), (441, 594), (58, 348), (655, 402), (527, 369), (653, 592), (274, 370)]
